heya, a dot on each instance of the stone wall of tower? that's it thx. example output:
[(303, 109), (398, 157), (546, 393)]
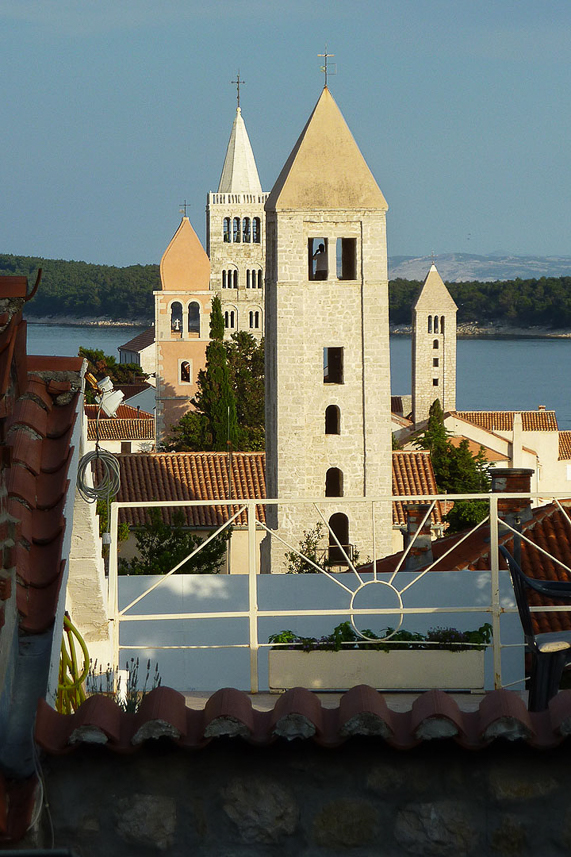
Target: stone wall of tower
[(433, 361), (242, 256), (303, 317)]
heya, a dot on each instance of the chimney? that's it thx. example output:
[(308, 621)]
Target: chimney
[(512, 480), (541, 407), (420, 554)]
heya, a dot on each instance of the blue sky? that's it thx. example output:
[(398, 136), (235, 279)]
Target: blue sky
[(115, 111)]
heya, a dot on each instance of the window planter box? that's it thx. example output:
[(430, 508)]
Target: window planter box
[(405, 670)]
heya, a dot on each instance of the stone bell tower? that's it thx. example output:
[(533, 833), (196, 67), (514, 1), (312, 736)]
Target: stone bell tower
[(236, 236), (182, 325), (327, 341), (433, 347)]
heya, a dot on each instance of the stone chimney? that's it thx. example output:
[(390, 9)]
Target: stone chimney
[(420, 554), (512, 480)]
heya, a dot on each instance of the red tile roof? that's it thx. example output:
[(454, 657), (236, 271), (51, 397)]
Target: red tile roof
[(298, 713), (121, 430), (140, 341), (564, 445), (413, 475), (503, 420), (124, 412)]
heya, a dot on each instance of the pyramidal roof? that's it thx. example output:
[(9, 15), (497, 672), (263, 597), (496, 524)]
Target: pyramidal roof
[(434, 295), (326, 169), (239, 173), (185, 266)]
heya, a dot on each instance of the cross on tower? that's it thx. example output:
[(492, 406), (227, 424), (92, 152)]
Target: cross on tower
[(183, 206), (238, 82), (324, 68)]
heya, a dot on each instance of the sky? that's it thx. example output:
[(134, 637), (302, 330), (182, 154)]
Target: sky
[(116, 111)]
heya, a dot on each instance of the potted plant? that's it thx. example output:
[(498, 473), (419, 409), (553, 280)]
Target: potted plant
[(442, 658)]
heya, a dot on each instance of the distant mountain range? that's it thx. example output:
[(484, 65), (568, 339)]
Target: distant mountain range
[(463, 267)]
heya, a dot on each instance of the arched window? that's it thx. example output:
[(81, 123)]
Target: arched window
[(256, 233), (176, 317), (246, 236), (185, 372), (194, 318), (436, 324), (224, 286), (442, 324), (435, 344), (332, 420), (339, 525), (334, 482), (254, 319), (248, 278), (235, 278), (236, 230), (260, 283), (430, 324), (226, 230), (230, 319)]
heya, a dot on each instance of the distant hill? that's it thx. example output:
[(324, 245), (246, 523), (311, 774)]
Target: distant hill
[(462, 267)]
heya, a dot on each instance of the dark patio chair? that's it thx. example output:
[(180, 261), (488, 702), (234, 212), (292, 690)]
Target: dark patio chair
[(551, 652)]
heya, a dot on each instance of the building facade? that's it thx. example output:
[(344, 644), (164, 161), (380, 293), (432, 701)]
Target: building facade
[(327, 342)]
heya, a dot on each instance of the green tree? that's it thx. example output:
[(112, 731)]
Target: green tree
[(246, 362), (161, 546), (457, 471), (101, 364), (311, 545)]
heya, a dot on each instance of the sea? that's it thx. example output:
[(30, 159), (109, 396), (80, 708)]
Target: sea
[(499, 373)]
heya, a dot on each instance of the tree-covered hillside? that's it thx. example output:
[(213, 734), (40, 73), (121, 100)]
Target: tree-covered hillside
[(82, 290), (544, 301)]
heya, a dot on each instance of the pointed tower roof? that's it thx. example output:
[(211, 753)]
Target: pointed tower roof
[(185, 266), (239, 173), (434, 295), (326, 169)]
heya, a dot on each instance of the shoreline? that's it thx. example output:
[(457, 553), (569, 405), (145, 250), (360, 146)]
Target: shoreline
[(66, 321), (468, 331)]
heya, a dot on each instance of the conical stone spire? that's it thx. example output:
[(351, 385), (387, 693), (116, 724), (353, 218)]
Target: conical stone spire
[(434, 296), (239, 173)]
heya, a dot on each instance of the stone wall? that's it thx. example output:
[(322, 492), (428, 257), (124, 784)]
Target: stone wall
[(299, 800)]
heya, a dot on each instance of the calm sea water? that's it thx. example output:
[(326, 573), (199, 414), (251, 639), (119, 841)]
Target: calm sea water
[(517, 373)]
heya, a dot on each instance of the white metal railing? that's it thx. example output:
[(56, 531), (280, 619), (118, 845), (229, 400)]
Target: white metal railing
[(253, 613)]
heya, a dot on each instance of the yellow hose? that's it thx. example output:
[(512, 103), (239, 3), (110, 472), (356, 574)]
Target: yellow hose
[(70, 685)]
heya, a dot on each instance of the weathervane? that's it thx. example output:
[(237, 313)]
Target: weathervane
[(238, 82), (325, 67), (183, 206)]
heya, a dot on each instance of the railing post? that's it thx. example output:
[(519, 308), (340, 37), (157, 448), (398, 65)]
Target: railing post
[(495, 581), (112, 596), (253, 597)]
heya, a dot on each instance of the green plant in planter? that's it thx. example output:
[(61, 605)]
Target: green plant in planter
[(345, 637)]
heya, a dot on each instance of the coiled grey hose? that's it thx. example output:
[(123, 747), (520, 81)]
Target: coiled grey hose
[(110, 481)]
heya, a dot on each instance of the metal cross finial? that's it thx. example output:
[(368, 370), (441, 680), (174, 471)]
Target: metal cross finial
[(325, 68), (238, 83), (183, 206)]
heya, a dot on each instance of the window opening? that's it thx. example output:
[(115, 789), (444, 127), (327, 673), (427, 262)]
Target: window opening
[(223, 279), (246, 230), (230, 319), (332, 420), (194, 318), (435, 361), (442, 324), (332, 365), (256, 230), (260, 281), (339, 525), (436, 324), (226, 230), (236, 230), (254, 319), (317, 252), (248, 277), (334, 482), (185, 372), (235, 278), (435, 344), (435, 382), (346, 258), (430, 324), (176, 317)]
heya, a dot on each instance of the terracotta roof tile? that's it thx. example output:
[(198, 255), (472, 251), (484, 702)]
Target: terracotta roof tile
[(299, 714), (124, 412), (503, 420), (13, 286), (413, 475), (564, 445), (121, 430)]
